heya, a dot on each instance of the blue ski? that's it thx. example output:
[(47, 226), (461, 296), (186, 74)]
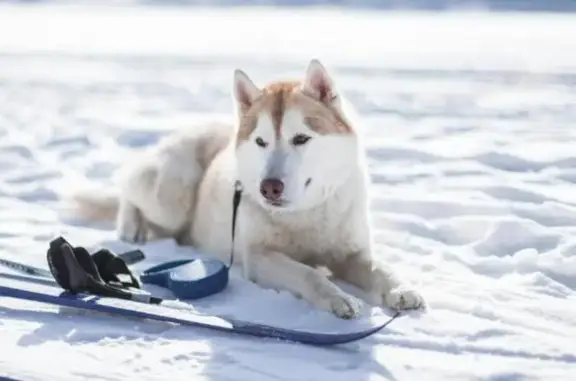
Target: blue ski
[(21, 289)]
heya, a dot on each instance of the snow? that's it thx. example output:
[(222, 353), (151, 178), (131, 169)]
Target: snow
[(469, 118)]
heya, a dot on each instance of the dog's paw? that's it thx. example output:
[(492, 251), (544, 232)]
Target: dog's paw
[(133, 232), (401, 299), (345, 306)]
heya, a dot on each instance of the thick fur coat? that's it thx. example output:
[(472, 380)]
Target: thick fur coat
[(298, 154)]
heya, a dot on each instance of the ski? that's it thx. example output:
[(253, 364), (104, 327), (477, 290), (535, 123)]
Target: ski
[(12, 287)]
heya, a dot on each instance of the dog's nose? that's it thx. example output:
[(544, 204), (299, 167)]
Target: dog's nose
[(271, 189)]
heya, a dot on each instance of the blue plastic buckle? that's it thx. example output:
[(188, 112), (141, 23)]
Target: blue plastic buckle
[(188, 278)]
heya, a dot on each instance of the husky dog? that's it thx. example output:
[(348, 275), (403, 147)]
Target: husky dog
[(299, 158)]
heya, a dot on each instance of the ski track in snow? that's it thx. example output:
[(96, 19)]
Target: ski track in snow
[(471, 151)]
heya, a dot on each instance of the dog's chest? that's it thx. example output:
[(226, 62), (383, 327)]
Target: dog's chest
[(317, 237)]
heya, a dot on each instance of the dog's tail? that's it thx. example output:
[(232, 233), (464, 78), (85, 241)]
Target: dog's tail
[(94, 204)]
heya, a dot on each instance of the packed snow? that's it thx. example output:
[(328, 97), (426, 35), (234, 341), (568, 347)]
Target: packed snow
[(470, 126)]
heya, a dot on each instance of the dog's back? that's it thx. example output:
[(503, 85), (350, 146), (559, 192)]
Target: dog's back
[(156, 191)]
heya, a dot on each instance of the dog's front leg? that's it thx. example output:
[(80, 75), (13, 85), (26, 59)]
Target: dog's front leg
[(279, 271), (382, 284), (131, 226)]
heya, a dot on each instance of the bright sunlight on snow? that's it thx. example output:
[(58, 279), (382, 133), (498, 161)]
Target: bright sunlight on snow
[(470, 124)]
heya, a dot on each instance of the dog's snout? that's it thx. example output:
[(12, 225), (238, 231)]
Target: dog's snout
[(271, 189)]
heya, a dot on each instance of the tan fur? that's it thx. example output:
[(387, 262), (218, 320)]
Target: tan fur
[(277, 97), (96, 207)]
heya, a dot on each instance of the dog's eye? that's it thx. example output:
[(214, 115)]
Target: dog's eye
[(260, 142), (300, 139)]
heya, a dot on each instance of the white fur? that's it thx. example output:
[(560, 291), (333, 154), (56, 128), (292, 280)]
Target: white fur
[(183, 188)]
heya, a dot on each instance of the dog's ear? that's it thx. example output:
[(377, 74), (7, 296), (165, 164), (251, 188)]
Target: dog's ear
[(245, 91), (318, 83)]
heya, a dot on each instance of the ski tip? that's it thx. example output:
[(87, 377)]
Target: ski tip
[(6, 378)]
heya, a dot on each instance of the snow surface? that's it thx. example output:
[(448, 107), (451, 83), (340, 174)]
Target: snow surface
[(471, 146)]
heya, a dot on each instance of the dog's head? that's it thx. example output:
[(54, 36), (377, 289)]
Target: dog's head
[(295, 145)]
